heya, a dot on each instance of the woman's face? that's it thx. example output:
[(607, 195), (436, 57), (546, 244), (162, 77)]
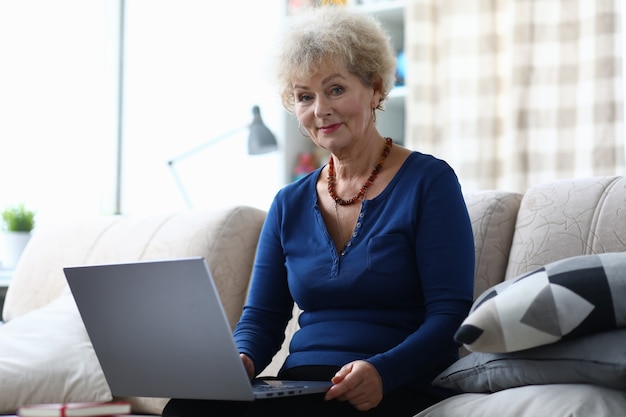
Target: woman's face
[(335, 108)]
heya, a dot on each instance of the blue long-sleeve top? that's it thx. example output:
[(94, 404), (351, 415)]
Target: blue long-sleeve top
[(395, 297)]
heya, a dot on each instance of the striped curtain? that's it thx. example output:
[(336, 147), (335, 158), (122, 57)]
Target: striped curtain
[(515, 92)]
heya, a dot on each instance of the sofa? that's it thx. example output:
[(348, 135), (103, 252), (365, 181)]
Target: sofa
[(45, 354)]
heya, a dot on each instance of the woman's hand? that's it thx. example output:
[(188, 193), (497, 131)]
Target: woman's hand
[(358, 383), (248, 364)]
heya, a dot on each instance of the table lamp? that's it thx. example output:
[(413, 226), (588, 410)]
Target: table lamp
[(260, 140)]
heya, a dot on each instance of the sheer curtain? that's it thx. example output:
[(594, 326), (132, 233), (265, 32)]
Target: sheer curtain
[(515, 92), (56, 107)]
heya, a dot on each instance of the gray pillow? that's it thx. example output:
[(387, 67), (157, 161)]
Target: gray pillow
[(598, 359)]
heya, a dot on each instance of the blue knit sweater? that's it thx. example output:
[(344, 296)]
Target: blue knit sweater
[(396, 295)]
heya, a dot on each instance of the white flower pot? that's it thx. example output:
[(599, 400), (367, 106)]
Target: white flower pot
[(13, 244)]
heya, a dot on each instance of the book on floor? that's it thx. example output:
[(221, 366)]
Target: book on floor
[(83, 409)]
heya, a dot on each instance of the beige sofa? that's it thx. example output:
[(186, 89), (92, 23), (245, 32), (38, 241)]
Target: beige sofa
[(45, 354)]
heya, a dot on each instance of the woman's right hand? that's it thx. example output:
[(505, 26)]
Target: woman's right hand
[(248, 364)]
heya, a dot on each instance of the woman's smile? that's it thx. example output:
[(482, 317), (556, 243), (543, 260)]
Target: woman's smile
[(328, 129)]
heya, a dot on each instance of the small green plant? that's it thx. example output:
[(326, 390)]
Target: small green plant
[(18, 219)]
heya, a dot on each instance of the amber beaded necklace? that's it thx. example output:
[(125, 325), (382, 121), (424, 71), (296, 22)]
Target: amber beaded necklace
[(332, 180)]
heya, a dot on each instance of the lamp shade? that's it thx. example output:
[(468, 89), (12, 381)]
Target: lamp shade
[(261, 139)]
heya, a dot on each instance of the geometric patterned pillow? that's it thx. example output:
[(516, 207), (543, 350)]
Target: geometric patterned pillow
[(564, 299)]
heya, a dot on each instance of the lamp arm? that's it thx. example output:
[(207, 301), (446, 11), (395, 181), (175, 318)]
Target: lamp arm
[(179, 183), (210, 142), (192, 152)]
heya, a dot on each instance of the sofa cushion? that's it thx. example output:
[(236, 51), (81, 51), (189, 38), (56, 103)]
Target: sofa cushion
[(46, 356), (566, 218), (564, 299), (598, 359)]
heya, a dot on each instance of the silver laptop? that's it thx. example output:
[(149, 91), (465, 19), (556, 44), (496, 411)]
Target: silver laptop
[(159, 329)]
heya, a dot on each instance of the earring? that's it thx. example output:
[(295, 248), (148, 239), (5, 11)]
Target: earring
[(300, 130), (374, 115)]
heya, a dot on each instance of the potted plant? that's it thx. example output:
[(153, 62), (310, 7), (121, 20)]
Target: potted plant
[(18, 222)]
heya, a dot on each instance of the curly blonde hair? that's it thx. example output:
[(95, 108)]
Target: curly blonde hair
[(337, 36)]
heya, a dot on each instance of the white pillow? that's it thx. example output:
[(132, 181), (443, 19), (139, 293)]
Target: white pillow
[(46, 356)]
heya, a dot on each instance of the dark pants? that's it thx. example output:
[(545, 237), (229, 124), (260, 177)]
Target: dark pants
[(402, 403)]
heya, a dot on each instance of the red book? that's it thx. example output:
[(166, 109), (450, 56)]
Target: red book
[(86, 409)]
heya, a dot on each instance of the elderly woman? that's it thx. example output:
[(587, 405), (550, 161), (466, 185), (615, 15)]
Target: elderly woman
[(375, 247)]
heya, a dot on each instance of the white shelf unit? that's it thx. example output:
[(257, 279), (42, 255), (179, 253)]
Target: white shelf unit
[(391, 121)]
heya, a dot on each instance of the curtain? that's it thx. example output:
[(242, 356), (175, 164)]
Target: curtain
[(515, 92)]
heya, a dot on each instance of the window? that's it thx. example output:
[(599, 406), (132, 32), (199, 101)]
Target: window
[(193, 71), (55, 107)]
